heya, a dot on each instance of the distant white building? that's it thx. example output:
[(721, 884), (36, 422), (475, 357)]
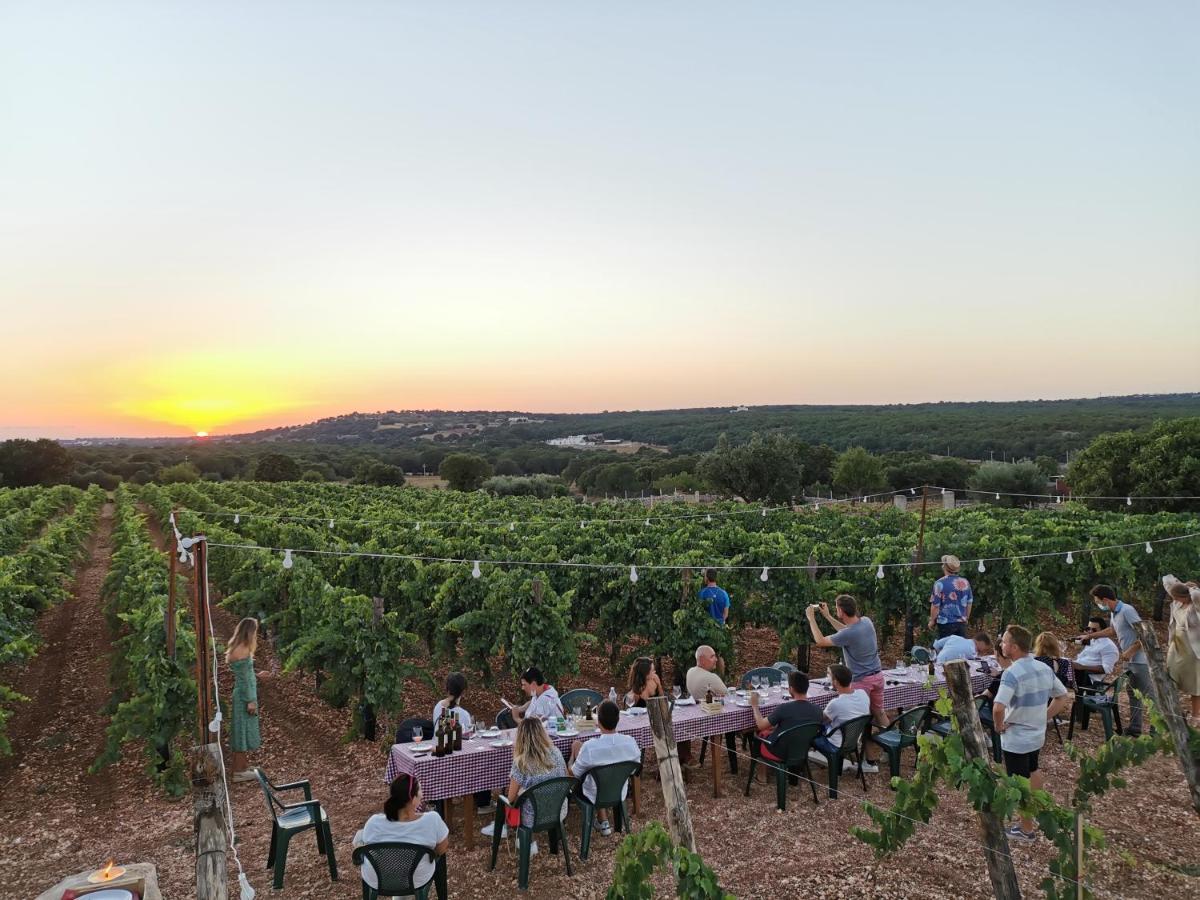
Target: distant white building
[(738, 409)]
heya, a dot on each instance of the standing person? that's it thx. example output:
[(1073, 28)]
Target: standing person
[(1183, 641), (402, 820), (609, 747), (1030, 695), (643, 682), (950, 602), (715, 597), (244, 733), (1120, 627), (543, 702), (535, 759), (856, 636), (1097, 657)]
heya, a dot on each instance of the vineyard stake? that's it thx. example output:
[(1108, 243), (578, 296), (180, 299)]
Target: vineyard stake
[(1166, 695), (908, 615), (1079, 856), (1000, 864), (679, 819), (171, 591)]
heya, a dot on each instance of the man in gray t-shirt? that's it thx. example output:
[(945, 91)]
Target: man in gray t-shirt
[(856, 637), (1121, 619)]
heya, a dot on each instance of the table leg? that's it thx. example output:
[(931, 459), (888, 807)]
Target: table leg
[(637, 795), (469, 821), (714, 756)]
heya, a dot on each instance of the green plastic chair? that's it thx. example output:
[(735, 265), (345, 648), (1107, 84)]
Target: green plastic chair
[(785, 667), (900, 734), (546, 798), (580, 697), (920, 655), (289, 819), (395, 864), (775, 675), (984, 705), (854, 734), (1103, 700), (610, 781), (792, 747)]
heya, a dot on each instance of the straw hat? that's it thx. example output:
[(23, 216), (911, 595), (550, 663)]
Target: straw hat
[(950, 561)]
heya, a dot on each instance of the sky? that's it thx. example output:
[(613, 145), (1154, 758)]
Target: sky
[(225, 216)]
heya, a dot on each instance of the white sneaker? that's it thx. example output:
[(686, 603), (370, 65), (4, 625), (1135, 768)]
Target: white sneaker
[(490, 828), (870, 768), (532, 849), (817, 759)]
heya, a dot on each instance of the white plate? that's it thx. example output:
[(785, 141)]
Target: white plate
[(421, 751), (741, 703), (685, 701), (635, 711), (566, 733), (489, 733), (504, 743)]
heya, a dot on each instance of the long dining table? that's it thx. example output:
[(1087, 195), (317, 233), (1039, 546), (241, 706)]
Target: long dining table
[(484, 762)]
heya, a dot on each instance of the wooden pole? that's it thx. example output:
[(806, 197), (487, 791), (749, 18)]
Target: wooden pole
[(1166, 696), (1079, 889), (208, 809), (1000, 864), (171, 591), (679, 819), (909, 623), (204, 698)]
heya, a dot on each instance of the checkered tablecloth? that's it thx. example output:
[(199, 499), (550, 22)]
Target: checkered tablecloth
[(479, 766)]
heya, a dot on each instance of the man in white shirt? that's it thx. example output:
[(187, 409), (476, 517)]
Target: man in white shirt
[(850, 703), (1098, 656), (605, 749), (543, 700), (955, 647)]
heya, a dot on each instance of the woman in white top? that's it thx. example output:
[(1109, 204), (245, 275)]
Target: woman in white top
[(402, 820), (1183, 640), (456, 686)]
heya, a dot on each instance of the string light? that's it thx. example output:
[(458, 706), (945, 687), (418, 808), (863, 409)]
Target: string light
[(997, 495), (512, 526), (1129, 501), (764, 576), (647, 523), (879, 571), (1149, 549), (287, 559), (417, 527), (331, 524), (236, 518), (475, 573), (982, 567), (1070, 557), (633, 576), (764, 512)]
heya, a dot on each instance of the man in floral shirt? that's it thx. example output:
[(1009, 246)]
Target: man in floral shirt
[(950, 602)]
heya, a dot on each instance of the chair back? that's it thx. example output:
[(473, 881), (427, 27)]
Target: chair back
[(404, 732), (785, 667), (274, 804), (579, 697), (1117, 688), (769, 672), (854, 733), (610, 780), (504, 719), (547, 798), (910, 723), (792, 744), (921, 655), (395, 863)]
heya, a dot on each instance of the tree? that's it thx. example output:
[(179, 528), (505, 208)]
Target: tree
[(180, 473), (276, 467), (1161, 462), (770, 468), (24, 463), (1009, 478), (857, 472), (465, 471), (380, 474), (1047, 465), (313, 475)]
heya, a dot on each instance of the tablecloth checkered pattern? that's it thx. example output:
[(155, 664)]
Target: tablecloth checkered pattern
[(480, 767)]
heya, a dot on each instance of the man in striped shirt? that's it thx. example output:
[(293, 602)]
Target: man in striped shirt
[(1029, 696)]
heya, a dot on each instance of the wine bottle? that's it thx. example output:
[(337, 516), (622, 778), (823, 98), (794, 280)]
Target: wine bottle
[(458, 733)]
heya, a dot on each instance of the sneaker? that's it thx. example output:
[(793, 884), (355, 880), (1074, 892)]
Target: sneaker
[(1015, 833), (869, 768), (532, 849), (490, 828), (817, 759), (488, 809), (605, 828)]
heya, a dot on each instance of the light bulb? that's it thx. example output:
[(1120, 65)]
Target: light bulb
[(708, 518), (997, 495), (331, 524), (1070, 558), (912, 491), (763, 576), (633, 574), (1149, 549), (764, 514), (287, 559), (1058, 498), (236, 518), (512, 526), (943, 491), (879, 571), (171, 518), (417, 527), (475, 573), (647, 523), (982, 567), (1129, 501)]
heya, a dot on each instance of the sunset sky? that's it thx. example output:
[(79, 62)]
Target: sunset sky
[(222, 216)]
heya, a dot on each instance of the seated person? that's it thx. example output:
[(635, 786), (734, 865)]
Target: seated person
[(543, 702), (1097, 657), (797, 711), (456, 686), (985, 714), (704, 675), (608, 747), (535, 759), (955, 647), (402, 820), (643, 682), (1048, 650), (848, 704)]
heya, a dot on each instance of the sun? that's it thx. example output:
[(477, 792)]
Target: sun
[(201, 434)]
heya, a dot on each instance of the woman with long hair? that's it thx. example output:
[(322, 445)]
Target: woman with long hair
[(535, 759), (1183, 641), (456, 686), (643, 682), (402, 820), (244, 733), (1048, 650)]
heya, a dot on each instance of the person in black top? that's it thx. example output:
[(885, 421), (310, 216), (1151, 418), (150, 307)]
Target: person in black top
[(797, 711)]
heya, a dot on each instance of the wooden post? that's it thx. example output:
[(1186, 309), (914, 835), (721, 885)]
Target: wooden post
[(679, 819), (1166, 696), (1079, 889), (174, 551), (209, 823), (909, 621), (1000, 864), (204, 698)]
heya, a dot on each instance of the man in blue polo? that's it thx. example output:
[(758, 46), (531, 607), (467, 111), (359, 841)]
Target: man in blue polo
[(715, 597)]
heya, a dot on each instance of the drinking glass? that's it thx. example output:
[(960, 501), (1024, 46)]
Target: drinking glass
[(578, 710), (755, 682), (418, 734), (676, 691)]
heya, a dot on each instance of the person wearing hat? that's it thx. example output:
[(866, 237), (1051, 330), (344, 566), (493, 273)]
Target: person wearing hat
[(950, 602)]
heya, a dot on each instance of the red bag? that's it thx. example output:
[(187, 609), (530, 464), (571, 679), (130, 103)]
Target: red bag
[(512, 816)]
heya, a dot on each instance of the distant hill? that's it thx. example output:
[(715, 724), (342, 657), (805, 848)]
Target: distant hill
[(973, 430)]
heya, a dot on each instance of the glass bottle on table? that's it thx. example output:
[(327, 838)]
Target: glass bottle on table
[(458, 733), (612, 694)]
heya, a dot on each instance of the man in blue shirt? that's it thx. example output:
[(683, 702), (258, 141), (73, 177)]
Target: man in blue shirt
[(715, 597), (950, 602), (955, 647)]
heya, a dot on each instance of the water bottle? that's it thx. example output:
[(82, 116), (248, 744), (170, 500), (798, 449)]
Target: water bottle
[(612, 694)]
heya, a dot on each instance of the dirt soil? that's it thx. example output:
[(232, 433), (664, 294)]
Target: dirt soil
[(57, 819)]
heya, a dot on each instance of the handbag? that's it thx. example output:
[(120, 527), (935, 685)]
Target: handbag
[(512, 816)]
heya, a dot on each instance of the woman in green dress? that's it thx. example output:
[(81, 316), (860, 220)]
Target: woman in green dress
[(244, 733)]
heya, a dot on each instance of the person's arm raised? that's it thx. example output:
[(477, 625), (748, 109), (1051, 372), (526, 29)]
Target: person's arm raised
[(819, 639)]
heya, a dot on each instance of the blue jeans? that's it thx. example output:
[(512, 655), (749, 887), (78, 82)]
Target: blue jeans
[(822, 744)]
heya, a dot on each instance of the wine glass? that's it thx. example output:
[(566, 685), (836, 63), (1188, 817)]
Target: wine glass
[(676, 691), (417, 734), (755, 682)]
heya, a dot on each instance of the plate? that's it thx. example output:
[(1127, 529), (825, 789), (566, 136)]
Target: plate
[(741, 702), (502, 743), (421, 751), (685, 701), (635, 711), (489, 733), (566, 733)]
